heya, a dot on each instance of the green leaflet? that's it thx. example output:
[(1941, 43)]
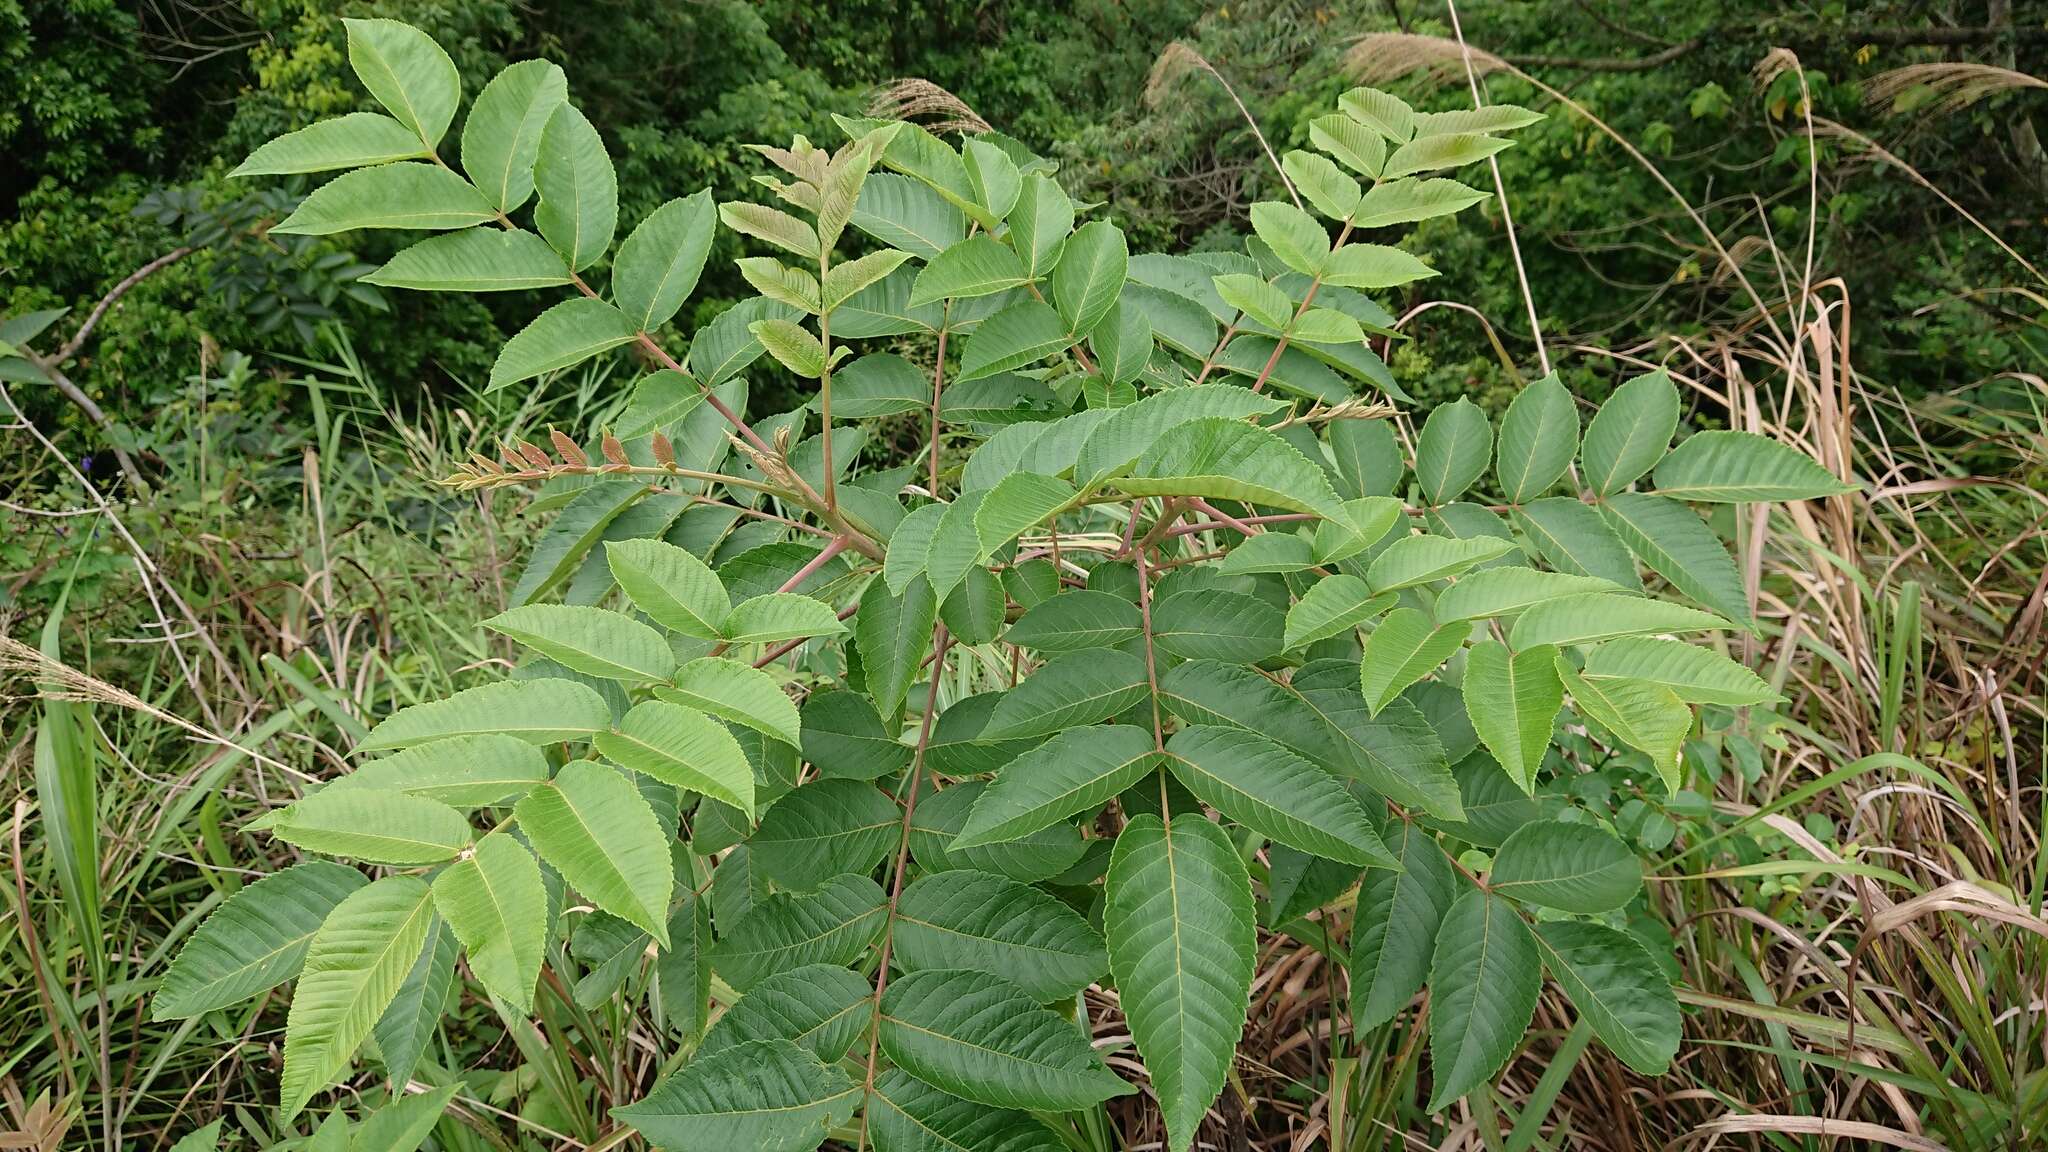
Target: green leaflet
[(974, 920), (1226, 459), (1679, 546), (1029, 858), (1452, 451), (404, 1124), (684, 968), (591, 825), (1694, 673), (1404, 648), (536, 711), (1484, 979), (374, 825), (1539, 435), (1077, 620), (408, 1025), (823, 1008), (1614, 983), (1393, 934), (1500, 591), (1117, 441), (405, 195), (824, 829), (776, 616), (1076, 770), (660, 261), (1630, 432), (593, 641), (1213, 624), (1090, 275), (1268, 789), (501, 136), (1573, 538), (1413, 560), (675, 589), (461, 771), (834, 925), (765, 1095), (1178, 917), (498, 908), (973, 612), (1021, 334), (1734, 467), (679, 746), (254, 941), (843, 737), (578, 210), (351, 141), (1039, 223), (1074, 689), (407, 72), (354, 967), (894, 633), (474, 260), (561, 337), (906, 1115), (1513, 700), (1016, 505), (736, 692), (1585, 617), (1648, 717), (977, 266), (981, 1038), (1569, 867)]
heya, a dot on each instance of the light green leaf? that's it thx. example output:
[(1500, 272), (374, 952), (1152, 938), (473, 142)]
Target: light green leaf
[(501, 137), (660, 261), (764, 1095), (1382, 112), (977, 266), (593, 641), (1021, 334), (1573, 538), (846, 280), (834, 925), (254, 941), (1122, 343), (1039, 223), (474, 260), (592, 825), (1570, 867), (1074, 689), (1077, 620), (955, 544), (1269, 552), (408, 1025), (461, 771), (1614, 983), (1502, 591), (1410, 201), (1325, 326), (1484, 980), (1488, 119), (979, 1037), (911, 542), (1017, 504), (1630, 432), (498, 907), (1275, 793), (1322, 183), (1538, 438), (1404, 648), (1414, 560), (542, 711), (1359, 148), (973, 612), (407, 72), (1334, 606), (404, 1124), (909, 215), (686, 748), (1695, 673), (992, 176), (821, 1007), (578, 210), (1215, 624), (738, 692), (1090, 275), (207, 1139), (354, 967), (1121, 438), (1431, 153), (1513, 700), (1739, 467), (1452, 451), (894, 633), (1590, 616), (792, 345), (405, 195), (1678, 545), (964, 919), (772, 225), (1078, 769), (1368, 457), (1227, 459), (675, 589), (561, 337), (564, 545), (1296, 237), (1256, 298), (780, 616), (826, 828), (1648, 717), (905, 1114), (1373, 266), (377, 826), (352, 141), (1177, 913), (1393, 933)]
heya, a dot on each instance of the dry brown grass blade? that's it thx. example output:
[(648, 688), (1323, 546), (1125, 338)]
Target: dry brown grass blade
[(1951, 85), (1821, 1126), (911, 98)]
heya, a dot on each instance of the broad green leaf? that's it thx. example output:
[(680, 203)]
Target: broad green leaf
[(764, 1096), (1078, 620), (904, 1114), (578, 210), (675, 589), (1359, 148), (1177, 913), (683, 747), (1256, 298), (377, 826), (1077, 688), (977, 266), (1124, 436), (683, 971), (1021, 334), (779, 282), (738, 692), (1573, 538), (1122, 344), (407, 72), (1277, 794), (723, 348), (1630, 432), (981, 1038), (461, 771), (1029, 858), (974, 920), (1382, 112), (1589, 616), (591, 825), (1402, 649), (844, 281), (991, 175), (1488, 119), (1645, 716), (821, 1007), (1678, 545), (834, 925), (1502, 591), (1269, 552), (894, 634), (405, 195), (792, 345), (843, 737), (356, 140), (1409, 201), (1296, 237), (1214, 624), (1090, 275), (1737, 467), (908, 214), (593, 641), (564, 545), (1039, 223), (1483, 981), (973, 612), (474, 260), (1325, 326), (780, 616), (911, 543), (1513, 700), (1414, 560), (1322, 183), (955, 544), (1075, 771), (404, 1124), (1393, 934), (1368, 457), (254, 941), (408, 1025), (1373, 266), (1494, 805), (1695, 673), (561, 337), (658, 265), (1570, 867), (1433, 153), (1452, 451), (354, 967), (537, 711), (1336, 605), (498, 907), (611, 951), (1617, 986), (501, 136), (826, 828), (1539, 435), (207, 1139), (771, 225), (1366, 522), (1017, 504), (1227, 459)]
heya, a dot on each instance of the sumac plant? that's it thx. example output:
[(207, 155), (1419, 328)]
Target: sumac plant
[(873, 783)]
